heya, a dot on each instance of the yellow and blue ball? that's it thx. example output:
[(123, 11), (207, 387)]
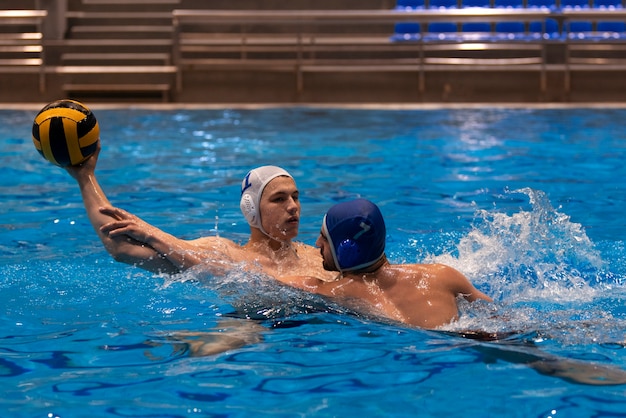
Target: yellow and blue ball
[(66, 132)]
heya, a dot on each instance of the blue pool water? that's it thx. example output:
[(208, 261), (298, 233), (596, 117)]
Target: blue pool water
[(528, 203)]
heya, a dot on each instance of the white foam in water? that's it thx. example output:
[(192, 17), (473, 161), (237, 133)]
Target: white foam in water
[(536, 254), (540, 267)]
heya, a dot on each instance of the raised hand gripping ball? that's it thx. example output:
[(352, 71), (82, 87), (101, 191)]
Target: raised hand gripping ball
[(66, 132)]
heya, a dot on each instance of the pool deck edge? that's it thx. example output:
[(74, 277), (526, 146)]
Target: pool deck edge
[(365, 106)]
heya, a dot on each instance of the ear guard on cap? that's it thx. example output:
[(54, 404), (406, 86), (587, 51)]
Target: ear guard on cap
[(248, 209), (347, 253)]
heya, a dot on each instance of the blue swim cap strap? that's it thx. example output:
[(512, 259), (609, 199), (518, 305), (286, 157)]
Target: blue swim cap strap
[(329, 238)]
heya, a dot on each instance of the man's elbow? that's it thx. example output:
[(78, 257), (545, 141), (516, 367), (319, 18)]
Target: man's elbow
[(119, 255), (121, 250), (154, 263), (478, 295)]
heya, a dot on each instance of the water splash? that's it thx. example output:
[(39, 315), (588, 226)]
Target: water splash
[(544, 272), (530, 255)]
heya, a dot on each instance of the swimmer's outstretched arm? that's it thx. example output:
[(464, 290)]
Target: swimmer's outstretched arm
[(180, 253), (460, 285), (120, 247)]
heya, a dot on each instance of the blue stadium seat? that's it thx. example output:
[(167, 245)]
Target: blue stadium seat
[(410, 4), (442, 31), (541, 4), (579, 30), (547, 29), (511, 31), (475, 3), (406, 32), (508, 4), (574, 4), (477, 31), (611, 30), (608, 4), (443, 4)]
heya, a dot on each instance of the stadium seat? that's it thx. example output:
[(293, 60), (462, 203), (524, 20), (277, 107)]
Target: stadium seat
[(443, 4), (541, 4), (508, 4), (476, 31), (442, 31), (611, 30), (406, 31), (579, 30), (574, 4), (547, 29), (608, 4), (410, 4), (475, 3), (511, 31)]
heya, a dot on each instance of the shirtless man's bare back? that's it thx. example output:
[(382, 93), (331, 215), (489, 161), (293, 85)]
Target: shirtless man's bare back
[(352, 242)]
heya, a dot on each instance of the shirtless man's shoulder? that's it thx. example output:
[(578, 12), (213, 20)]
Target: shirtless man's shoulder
[(210, 243)]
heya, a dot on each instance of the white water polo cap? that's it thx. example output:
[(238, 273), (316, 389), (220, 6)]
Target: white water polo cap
[(252, 188), (356, 233)]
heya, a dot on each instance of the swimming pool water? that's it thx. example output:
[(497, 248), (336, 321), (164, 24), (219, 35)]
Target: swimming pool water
[(528, 203)]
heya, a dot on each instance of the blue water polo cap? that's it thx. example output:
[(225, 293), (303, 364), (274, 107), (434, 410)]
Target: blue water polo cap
[(252, 188), (356, 233)]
